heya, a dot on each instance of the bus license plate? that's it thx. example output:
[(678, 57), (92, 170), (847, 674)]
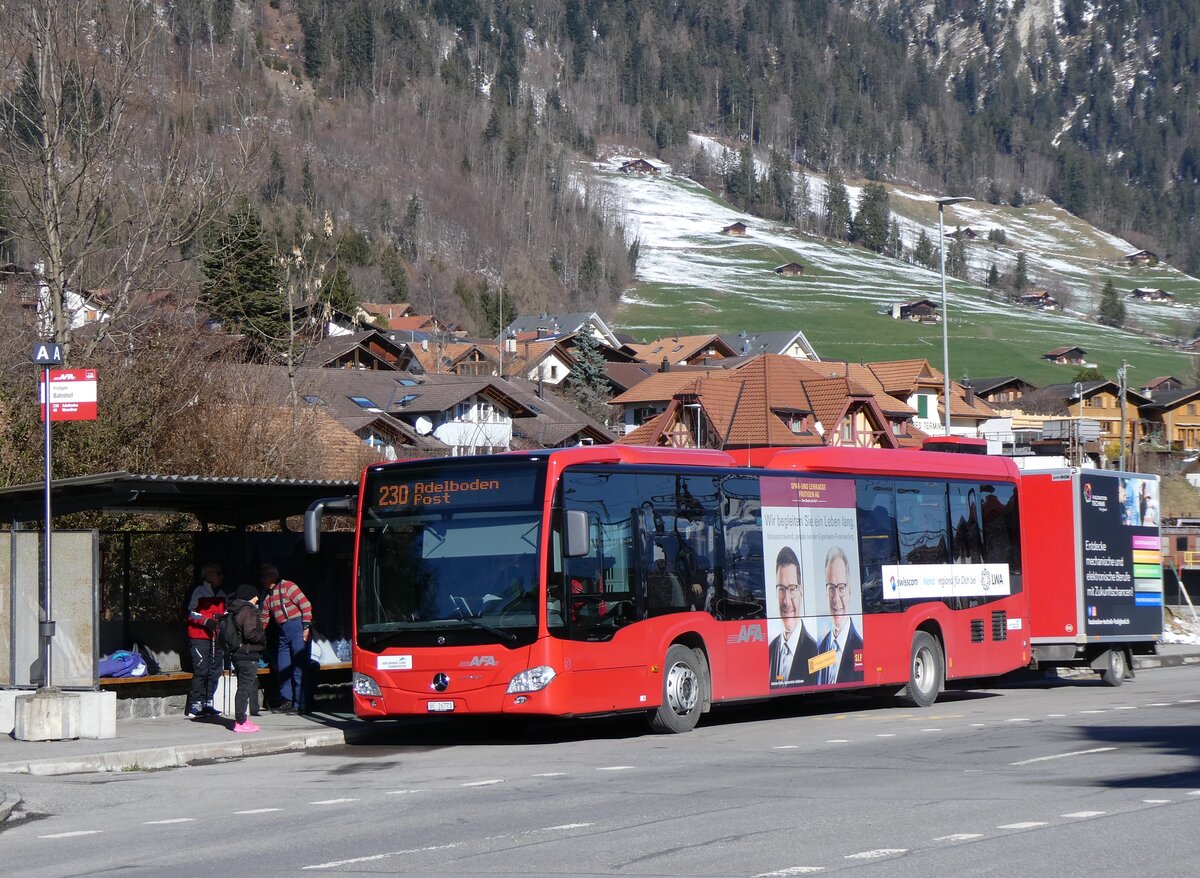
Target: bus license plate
[(441, 706)]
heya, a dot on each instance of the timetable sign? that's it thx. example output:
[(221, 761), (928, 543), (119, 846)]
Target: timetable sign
[(72, 395)]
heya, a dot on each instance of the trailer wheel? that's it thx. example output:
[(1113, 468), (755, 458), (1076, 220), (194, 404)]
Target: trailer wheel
[(683, 696), (926, 671), (1116, 669)]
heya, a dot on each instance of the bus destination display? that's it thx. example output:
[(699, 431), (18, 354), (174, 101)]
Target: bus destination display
[(441, 490)]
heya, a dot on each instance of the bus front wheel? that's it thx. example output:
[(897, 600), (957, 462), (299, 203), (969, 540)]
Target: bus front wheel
[(683, 691), (926, 671)]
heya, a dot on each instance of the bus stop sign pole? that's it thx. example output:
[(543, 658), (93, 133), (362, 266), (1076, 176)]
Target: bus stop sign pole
[(46, 355)]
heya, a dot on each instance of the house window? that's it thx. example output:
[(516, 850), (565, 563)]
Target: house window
[(363, 402), (553, 372), (796, 423), (1191, 408), (847, 431), (462, 411), (486, 412), (922, 406)]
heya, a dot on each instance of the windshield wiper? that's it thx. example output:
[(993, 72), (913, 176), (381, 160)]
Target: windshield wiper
[(491, 629)]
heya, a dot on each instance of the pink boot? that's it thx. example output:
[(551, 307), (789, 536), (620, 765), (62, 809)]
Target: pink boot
[(245, 726)]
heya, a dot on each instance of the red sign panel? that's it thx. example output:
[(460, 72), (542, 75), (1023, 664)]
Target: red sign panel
[(72, 395)]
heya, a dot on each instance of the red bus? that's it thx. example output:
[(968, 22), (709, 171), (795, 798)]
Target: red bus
[(608, 579)]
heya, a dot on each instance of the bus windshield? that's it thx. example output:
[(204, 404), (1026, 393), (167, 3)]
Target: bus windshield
[(449, 554)]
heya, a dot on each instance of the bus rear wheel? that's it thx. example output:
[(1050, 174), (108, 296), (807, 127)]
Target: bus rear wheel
[(927, 671), (1116, 668), (683, 691)]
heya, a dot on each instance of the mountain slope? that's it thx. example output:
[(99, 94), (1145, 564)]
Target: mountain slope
[(694, 279)]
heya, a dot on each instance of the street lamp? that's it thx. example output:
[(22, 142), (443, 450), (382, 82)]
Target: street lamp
[(941, 203)]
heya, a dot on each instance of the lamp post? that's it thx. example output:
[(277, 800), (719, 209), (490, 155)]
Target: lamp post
[(942, 203), (1122, 377)]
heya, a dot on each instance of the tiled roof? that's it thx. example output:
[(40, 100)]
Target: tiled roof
[(658, 387), (679, 349)]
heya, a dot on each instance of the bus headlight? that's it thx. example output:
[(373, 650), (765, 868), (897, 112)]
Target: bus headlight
[(364, 685), (532, 680)]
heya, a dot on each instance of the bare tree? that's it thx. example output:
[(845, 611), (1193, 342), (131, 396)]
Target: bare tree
[(103, 190)]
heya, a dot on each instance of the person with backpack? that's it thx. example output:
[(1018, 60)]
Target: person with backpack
[(243, 638), (204, 605), (287, 606)]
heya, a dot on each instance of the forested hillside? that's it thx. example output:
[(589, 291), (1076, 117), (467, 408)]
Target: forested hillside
[(439, 136)]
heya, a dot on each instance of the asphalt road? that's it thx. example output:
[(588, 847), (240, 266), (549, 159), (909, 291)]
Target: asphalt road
[(1042, 778)]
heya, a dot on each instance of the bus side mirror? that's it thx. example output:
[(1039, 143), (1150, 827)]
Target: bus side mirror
[(313, 515), (576, 543)]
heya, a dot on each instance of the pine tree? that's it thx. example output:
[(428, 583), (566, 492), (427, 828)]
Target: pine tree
[(391, 264), (338, 292), (923, 253), (837, 205), (782, 191), (956, 257), (1020, 278), (242, 280), (588, 380), (993, 277), (870, 225), (1112, 309)]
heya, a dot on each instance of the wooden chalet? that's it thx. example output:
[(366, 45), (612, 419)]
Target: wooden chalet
[(919, 310), (1160, 384), (1141, 257), (1152, 294), (998, 392), (639, 166), (1068, 355), (735, 230), (1039, 299), (789, 269), (965, 232), (682, 350)]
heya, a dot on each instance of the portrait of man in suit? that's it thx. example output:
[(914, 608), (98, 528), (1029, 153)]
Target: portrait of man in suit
[(791, 649), (842, 638)]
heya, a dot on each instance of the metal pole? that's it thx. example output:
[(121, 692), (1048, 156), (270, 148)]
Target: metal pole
[(46, 629), (1079, 425), (1121, 375), (945, 320)]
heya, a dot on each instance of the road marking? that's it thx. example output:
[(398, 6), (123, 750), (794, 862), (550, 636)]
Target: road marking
[(1189, 700), (402, 792), (1194, 793), (1091, 711), (960, 836), (876, 854), (551, 774), (978, 725), (1126, 707), (1056, 715), (73, 834), (1082, 814), (332, 801), (615, 768), (1019, 719), (483, 783), (1157, 801), (1159, 704), (787, 747), (375, 857), (1063, 755), (886, 735), (1028, 824), (791, 870), (172, 820), (258, 811), (837, 741), (931, 730)]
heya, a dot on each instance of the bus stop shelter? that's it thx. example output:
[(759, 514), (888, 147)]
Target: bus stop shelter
[(124, 578)]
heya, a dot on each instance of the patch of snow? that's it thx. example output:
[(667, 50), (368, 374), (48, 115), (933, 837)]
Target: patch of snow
[(1181, 626)]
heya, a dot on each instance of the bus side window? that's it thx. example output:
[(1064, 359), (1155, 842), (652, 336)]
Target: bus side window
[(877, 540), (741, 518), (1001, 529)]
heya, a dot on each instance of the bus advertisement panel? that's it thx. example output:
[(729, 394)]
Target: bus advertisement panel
[(810, 548), (1121, 555)]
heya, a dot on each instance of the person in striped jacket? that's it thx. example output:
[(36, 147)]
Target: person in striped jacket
[(286, 607)]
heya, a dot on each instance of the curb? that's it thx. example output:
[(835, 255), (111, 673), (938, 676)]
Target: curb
[(1141, 662), (8, 802), (149, 758)]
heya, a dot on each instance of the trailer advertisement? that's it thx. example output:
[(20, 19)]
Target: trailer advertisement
[(1122, 554)]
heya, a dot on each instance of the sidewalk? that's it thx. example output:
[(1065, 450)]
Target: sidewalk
[(169, 742)]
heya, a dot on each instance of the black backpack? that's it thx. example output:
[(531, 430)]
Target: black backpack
[(229, 633)]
